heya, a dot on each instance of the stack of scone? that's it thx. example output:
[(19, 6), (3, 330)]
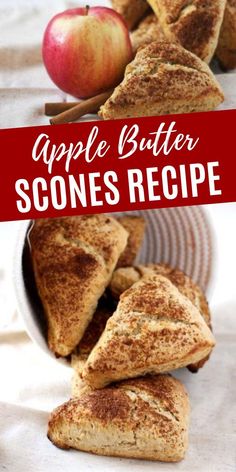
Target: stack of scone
[(173, 42), (124, 327)]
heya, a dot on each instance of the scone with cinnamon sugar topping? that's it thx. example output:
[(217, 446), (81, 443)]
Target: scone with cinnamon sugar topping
[(163, 78), (73, 260), (154, 329), (145, 418), (194, 24), (226, 49)]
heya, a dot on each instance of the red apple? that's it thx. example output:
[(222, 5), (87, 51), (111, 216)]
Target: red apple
[(85, 50)]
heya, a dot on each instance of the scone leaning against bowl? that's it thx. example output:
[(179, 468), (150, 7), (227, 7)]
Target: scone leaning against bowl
[(124, 277), (145, 418), (104, 310), (226, 49), (155, 329), (162, 79), (131, 10), (73, 260), (193, 24)]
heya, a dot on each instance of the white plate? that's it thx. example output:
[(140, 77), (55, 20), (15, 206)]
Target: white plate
[(181, 237)]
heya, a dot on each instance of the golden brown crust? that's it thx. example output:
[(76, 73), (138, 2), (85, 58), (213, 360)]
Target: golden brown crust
[(195, 24), (144, 418), (131, 10), (124, 278), (73, 260), (163, 78), (154, 329), (148, 30), (226, 49), (135, 226), (95, 328), (77, 384)]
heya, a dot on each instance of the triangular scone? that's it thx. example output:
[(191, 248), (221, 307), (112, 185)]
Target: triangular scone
[(226, 49), (154, 329), (148, 30), (73, 260), (131, 10), (145, 418), (124, 278), (135, 226), (163, 78), (194, 24)]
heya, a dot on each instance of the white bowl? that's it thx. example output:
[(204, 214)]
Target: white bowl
[(182, 237)]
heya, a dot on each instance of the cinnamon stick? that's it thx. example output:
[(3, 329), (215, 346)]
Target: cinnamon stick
[(84, 107), (54, 108)]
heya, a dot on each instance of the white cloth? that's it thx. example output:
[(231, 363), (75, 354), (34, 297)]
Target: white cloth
[(32, 383)]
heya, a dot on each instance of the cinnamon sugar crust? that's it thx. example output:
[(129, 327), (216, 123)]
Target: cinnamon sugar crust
[(124, 278), (163, 78), (91, 336), (131, 10), (154, 329), (148, 30), (145, 418), (73, 260)]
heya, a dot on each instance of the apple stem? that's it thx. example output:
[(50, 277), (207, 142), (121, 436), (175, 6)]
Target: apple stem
[(86, 10)]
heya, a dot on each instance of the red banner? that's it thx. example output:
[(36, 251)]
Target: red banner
[(118, 165)]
